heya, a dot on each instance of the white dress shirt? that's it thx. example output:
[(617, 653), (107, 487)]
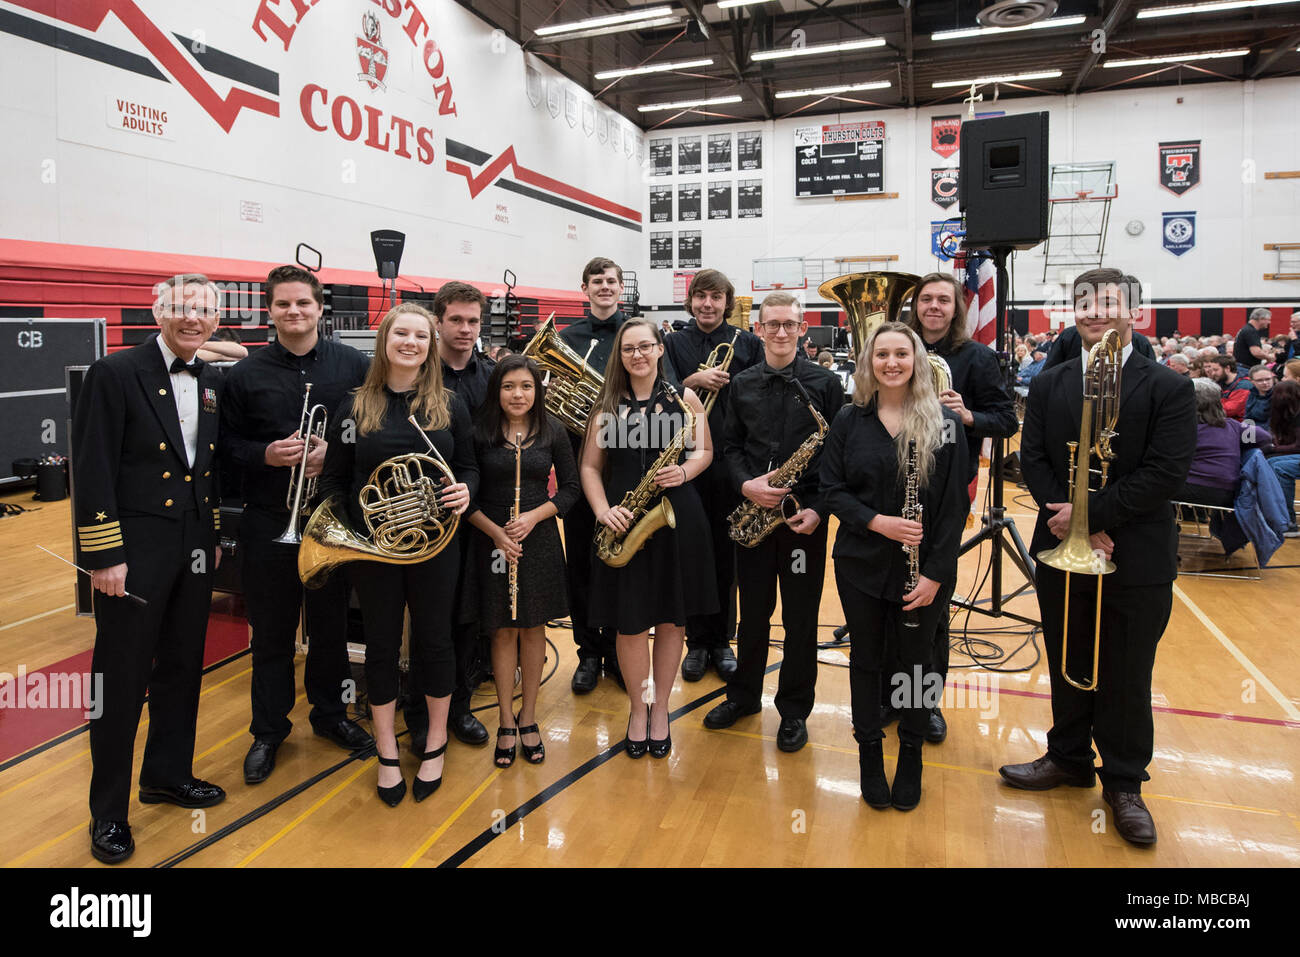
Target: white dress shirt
[(185, 391)]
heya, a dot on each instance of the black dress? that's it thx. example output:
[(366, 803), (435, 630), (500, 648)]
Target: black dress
[(543, 594), (671, 578)]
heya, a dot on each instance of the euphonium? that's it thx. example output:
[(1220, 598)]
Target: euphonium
[(1101, 385), (573, 384), (750, 522), (401, 509), (301, 488), (869, 298), (617, 548)]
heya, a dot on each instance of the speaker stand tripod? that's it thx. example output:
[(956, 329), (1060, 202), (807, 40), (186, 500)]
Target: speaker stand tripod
[(997, 528)]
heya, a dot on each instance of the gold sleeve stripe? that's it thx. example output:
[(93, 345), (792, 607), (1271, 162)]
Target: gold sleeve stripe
[(101, 548), (102, 527), (100, 537)]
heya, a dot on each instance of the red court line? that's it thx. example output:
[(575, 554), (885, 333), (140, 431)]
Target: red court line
[(1222, 716)]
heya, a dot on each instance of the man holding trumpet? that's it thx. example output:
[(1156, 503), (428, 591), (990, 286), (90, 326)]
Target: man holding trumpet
[(1130, 522), (265, 411)]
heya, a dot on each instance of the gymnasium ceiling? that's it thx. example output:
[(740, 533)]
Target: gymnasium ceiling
[(910, 60)]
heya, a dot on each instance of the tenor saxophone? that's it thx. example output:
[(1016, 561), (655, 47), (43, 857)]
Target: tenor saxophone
[(750, 522), (617, 548)]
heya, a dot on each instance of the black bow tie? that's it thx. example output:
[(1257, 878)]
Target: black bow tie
[(786, 373), (194, 368)]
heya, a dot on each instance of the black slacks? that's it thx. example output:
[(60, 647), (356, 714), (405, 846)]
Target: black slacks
[(274, 596), (156, 649), (878, 638), (1117, 716), (719, 500), (579, 530), (428, 589), (798, 564)]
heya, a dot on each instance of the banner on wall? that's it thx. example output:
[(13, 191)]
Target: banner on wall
[(1180, 165), (719, 152), (945, 134), (661, 204), (1179, 234), (533, 84), (720, 200), (681, 283), (688, 202), (689, 252), (941, 240), (839, 159), (749, 150), (589, 118), (661, 157), (661, 250), (571, 106), (943, 186), (749, 199), (554, 98), (688, 155), (602, 128)]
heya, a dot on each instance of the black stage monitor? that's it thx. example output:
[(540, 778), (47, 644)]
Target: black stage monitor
[(1003, 182)]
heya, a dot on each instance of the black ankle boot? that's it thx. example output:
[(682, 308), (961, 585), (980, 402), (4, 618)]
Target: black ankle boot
[(907, 777), (871, 768)]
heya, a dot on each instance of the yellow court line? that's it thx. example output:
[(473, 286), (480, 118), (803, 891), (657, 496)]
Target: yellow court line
[(305, 814), (44, 614), (1285, 703), (53, 767), (442, 828), (226, 681), (83, 827)]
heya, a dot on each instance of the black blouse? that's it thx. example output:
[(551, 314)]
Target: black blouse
[(348, 464), (497, 473), (859, 477)]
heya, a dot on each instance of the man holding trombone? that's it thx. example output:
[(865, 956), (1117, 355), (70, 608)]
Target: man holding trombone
[(268, 419), (1120, 595)]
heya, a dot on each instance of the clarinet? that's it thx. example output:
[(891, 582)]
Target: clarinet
[(912, 512), (514, 514)]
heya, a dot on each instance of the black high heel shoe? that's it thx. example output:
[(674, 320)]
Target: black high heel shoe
[(392, 796), (659, 747), (420, 788), (533, 753), (505, 757), (637, 749)]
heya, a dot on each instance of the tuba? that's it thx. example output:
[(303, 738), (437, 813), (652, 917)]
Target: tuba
[(573, 384), (1101, 383), (406, 520)]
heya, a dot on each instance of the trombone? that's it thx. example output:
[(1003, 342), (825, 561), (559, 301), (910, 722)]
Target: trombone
[(1101, 384), (301, 488)]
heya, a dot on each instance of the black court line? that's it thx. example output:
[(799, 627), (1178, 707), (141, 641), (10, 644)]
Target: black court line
[(577, 774), (69, 735)]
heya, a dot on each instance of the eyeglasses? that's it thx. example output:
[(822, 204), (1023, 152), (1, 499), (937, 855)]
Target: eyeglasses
[(789, 328), (191, 309), (642, 350)]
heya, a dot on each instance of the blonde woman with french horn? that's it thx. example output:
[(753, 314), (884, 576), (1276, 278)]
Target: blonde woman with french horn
[(372, 426), (635, 427)]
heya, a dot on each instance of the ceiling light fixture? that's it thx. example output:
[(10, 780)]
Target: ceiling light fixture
[(689, 104), (832, 90), (998, 31), (818, 49), (1178, 58), (982, 81), (653, 68), (632, 16), (728, 4), (1189, 9)]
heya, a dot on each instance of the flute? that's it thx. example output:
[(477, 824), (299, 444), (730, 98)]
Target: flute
[(514, 514)]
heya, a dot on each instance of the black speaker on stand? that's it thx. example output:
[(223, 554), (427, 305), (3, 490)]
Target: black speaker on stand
[(1003, 193)]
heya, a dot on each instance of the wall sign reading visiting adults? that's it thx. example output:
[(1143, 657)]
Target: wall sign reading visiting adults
[(839, 159), (688, 202), (688, 155), (661, 250), (749, 150), (720, 200), (1180, 165), (719, 152), (661, 157), (689, 254), (749, 199)]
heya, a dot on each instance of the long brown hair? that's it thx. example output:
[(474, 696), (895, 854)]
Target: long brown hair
[(432, 403), (1284, 412), (617, 382), (956, 336), (922, 413)]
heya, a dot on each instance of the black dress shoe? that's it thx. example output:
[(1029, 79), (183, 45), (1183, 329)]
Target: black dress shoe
[(695, 664), (724, 661), (584, 677), (348, 735), (468, 729), (260, 761), (111, 841), (792, 735), (725, 715), (613, 673), (937, 729), (906, 792), (1043, 775), (1132, 819), (841, 633), (193, 793)]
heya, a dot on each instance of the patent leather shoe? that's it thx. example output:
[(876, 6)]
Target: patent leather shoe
[(468, 729), (1044, 774), (937, 728), (347, 734), (1132, 819), (111, 841), (585, 675), (193, 793), (792, 735), (725, 715), (260, 761)]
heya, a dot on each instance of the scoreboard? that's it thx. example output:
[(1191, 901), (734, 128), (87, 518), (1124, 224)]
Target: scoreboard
[(839, 160)]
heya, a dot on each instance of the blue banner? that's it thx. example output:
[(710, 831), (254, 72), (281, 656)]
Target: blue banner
[(1179, 233)]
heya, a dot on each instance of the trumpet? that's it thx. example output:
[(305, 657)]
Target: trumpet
[(718, 360), (302, 489), (1101, 388)]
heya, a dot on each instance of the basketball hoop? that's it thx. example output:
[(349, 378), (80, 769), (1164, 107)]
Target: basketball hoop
[(1083, 193), (778, 285)]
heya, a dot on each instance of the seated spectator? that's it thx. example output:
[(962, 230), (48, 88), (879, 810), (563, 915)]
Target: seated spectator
[(1216, 468), (224, 346), (1178, 362), (1022, 356), (1034, 367), (1291, 370), (1196, 368), (1261, 392), (1223, 370), (824, 358), (1284, 457)]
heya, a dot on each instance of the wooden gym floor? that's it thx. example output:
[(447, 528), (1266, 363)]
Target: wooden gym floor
[(1223, 782)]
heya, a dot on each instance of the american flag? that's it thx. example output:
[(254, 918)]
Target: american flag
[(980, 293)]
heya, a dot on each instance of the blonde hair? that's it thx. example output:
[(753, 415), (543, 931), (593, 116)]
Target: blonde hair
[(922, 413), (432, 403)]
